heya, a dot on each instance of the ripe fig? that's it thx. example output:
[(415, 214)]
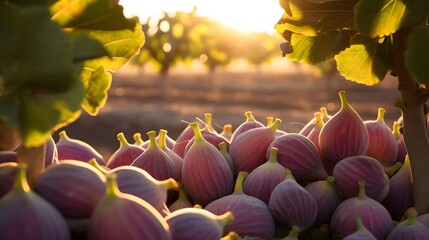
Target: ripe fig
[(51, 153), (349, 171), (26, 215), (313, 135), (197, 223), (299, 154), (344, 134), (361, 232), (182, 140), (327, 199), (374, 216), (124, 216), (224, 151), (250, 123), (177, 160), (73, 187), (155, 161), (206, 176), (382, 144), (74, 149), (263, 179), (290, 204), (248, 150), (402, 151), (125, 154), (252, 217), (310, 125), (169, 142), (410, 228), (8, 171)]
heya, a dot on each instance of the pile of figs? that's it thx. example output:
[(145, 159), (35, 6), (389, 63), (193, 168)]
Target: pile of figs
[(340, 177)]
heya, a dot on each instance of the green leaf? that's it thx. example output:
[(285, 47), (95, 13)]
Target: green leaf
[(317, 49), (85, 48), (417, 54), (97, 84), (32, 2), (384, 17), (90, 14), (311, 18), (365, 62)]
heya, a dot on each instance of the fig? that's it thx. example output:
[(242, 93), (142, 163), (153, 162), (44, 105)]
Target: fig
[(279, 132), (155, 161), (73, 187), (263, 179), (313, 135), (248, 150), (310, 125), (123, 216), (402, 151), (293, 233), (374, 215), (8, 171), (197, 223), (74, 149), (299, 154), (223, 149), (290, 204), (424, 219), (182, 201), (182, 140), (361, 232), (206, 175), (327, 199), (125, 154), (177, 160), (349, 171), (382, 144), (169, 142), (227, 131), (344, 134), (410, 228), (252, 217), (51, 152), (26, 215), (400, 196), (8, 156), (138, 139), (250, 123)]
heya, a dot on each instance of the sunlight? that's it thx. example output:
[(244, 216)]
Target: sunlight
[(245, 16)]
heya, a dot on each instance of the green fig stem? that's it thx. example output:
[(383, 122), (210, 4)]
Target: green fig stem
[(152, 139), (273, 155), (288, 174), (319, 120), (396, 130), (162, 139), (324, 113), (238, 189), (270, 121), (359, 224), (380, 115), (63, 136), (122, 140), (225, 218), (93, 162), (169, 183), (227, 129), (208, 122), (249, 116), (273, 128), (182, 193), (138, 139), (330, 180), (407, 163), (222, 148), (112, 185), (411, 216), (197, 132), (392, 170), (231, 236), (21, 183), (294, 232), (362, 192), (344, 103)]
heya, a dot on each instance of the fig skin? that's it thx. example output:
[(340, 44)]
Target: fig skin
[(8, 156), (349, 171), (344, 134), (197, 223), (182, 201), (305, 131), (252, 217), (313, 135), (26, 215), (124, 216), (410, 228), (125, 154), (290, 204), (8, 171), (402, 151), (182, 140), (361, 232), (177, 160), (73, 187), (374, 216)]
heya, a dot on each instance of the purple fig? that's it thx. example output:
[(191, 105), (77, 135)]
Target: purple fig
[(124, 216), (402, 151), (227, 132), (400, 196), (178, 160), (361, 232), (252, 217), (74, 149), (51, 152), (206, 175), (263, 179), (8, 171), (26, 215), (290, 204), (313, 135), (182, 140), (382, 144), (250, 123), (125, 154), (299, 154), (349, 171), (8, 156), (344, 134), (223, 149), (409, 229), (197, 223), (182, 201), (73, 187), (310, 125), (155, 161), (374, 216), (424, 219), (248, 150), (327, 199)]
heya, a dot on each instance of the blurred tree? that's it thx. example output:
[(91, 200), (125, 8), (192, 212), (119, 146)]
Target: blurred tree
[(259, 47)]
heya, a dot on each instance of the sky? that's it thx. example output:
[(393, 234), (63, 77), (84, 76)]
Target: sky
[(244, 15)]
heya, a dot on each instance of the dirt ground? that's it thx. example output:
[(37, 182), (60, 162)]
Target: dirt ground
[(142, 101)]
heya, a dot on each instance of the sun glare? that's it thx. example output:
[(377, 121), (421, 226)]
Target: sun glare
[(246, 16)]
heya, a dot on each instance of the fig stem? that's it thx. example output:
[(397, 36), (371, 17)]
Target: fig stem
[(93, 162), (231, 236), (330, 180), (138, 139), (63, 135), (412, 215), (208, 122), (169, 183), (197, 132), (396, 130), (273, 128), (359, 224), (152, 139), (362, 192), (270, 121), (225, 218), (324, 113), (249, 116), (273, 155), (238, 188), (380, 115), (288, 174), (344, 103), (294, 232), (112, 185), (122, 140), (162, 140), (319, 120), (21, 183)]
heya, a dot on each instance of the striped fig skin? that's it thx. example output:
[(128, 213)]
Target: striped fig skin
[(197, 223), (248, 150), (125, 154), (181, 202), (382, 144), (182, 140), (250, 123), (290, 204), (361, 232), (177, 160), (402, 151), (27, 216), (206, 176), (305, 131), (350, 170), (374, 216), (75, 149), (124, 216), (344, 134), (213, 138), (252, 217), (8, 171), (263, 179), (51, 152), (299, 154), (409, 229), (313, 135), (73, 187)]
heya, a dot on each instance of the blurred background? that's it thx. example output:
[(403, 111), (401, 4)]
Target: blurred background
[(219, 57)]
